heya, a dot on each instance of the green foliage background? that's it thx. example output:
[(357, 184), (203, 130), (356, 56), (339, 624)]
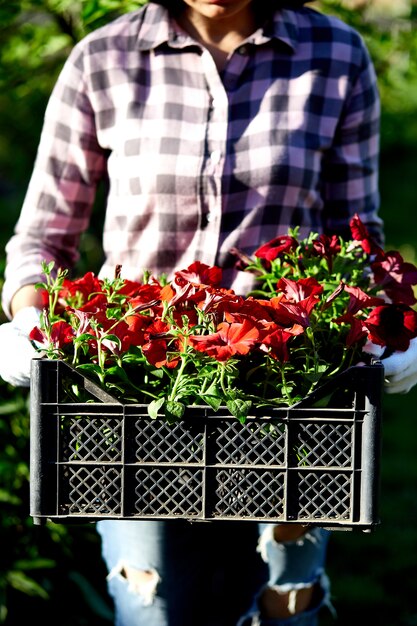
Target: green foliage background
[(54, 573)]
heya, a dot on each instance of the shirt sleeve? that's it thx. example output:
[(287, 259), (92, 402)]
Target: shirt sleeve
[(350, 167), (61, 193)]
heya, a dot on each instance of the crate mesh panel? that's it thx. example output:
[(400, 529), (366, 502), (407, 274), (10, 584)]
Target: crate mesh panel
[(325, 495), (91, 439), (158, 442), (93, 490), (250, 443), (249, 493), (325, 445), (168, 491)]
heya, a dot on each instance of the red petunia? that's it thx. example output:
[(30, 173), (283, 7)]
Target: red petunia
[(327, 247), (396, 277), (142, 294), (138, 326), (60, 335), (360, 233), (276, 247), (200, 274), (119, 329), (230, 339), (160, 345), (359, 300), (95, 304), (358, 331), (276, 342), (86, 286), (130, 288), (392, 325), (299, 290)]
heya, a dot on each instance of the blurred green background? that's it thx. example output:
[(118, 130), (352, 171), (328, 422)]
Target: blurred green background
[(54, 573)]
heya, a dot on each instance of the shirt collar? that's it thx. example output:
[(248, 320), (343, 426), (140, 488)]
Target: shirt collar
[(283, 26), (157, 28)]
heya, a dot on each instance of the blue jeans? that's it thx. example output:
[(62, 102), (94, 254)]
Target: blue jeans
[(207, 573)]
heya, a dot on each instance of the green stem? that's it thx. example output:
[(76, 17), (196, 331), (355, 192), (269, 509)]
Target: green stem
[(222, 378), (284, 385), (204, 386), (309, 334), (180, 372), (101, 359)]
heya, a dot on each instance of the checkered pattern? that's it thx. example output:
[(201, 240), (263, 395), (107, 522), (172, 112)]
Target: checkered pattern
[(199, 162)]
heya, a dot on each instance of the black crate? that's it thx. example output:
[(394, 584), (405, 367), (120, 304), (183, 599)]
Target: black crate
[(316, 462)]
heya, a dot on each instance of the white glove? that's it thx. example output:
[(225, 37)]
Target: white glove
[(16, 351), (401, 369)]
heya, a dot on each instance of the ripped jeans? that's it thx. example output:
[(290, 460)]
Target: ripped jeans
[(180, 573)]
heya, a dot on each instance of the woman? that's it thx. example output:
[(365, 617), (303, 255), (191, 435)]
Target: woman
[(217, 124)]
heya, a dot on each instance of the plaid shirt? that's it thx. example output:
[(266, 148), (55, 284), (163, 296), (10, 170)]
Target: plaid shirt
[(199, 162)]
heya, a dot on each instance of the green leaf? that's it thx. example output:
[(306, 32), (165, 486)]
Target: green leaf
[(118, 371), (212, 401), (91, 368), (21, 582), (239, 408), (174, 410), (155, 406), (34, 564), (323, 402), (84, 337), (11, 407), (113, 338)]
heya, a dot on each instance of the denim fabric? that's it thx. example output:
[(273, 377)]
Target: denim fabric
[(207, 573), (294, 563)]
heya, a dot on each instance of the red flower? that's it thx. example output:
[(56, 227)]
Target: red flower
[(131, 288), (358, 330), (119, 329), (221, 301), (396, 277), (287, 313), (251, 308), (175, 294), (299, 290), (138, 326), (276, 247), (392, 325), (277, 341), (144, 294), (230, 339), (199, 274), (327, 247), (360, 300), (95, 304), (159, 345), (61, 334), (86, 286), (360, 233)]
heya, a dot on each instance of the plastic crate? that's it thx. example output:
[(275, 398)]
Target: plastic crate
[(316, 462)]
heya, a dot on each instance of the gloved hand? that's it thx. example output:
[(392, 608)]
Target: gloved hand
[(16, 350), (401, 369)]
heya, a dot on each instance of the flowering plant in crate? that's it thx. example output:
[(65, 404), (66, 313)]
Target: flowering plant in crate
[(171, 343)]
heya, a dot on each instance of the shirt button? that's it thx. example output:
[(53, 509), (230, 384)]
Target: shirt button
[(215, 157), (243, 49)]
